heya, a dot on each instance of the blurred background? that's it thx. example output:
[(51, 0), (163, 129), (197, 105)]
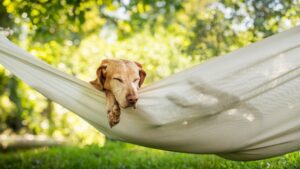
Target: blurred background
[(166, 36)]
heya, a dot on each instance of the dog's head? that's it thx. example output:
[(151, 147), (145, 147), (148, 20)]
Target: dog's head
[(121, 77)]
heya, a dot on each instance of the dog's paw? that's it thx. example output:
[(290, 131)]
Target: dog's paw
[(114, 116)]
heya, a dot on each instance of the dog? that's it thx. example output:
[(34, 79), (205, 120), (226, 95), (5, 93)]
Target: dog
[(120, 80)]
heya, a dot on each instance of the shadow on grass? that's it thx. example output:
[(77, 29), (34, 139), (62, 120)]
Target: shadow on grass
[(121, 155)]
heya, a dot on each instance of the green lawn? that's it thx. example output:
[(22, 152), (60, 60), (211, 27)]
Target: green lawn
[(122, 155)]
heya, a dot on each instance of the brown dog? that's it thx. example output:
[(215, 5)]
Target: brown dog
[(120, 80)]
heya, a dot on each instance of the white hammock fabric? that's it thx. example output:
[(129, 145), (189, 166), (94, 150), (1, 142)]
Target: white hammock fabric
[(241, 106)]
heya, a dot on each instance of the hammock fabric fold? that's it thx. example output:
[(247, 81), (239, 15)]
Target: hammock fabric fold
[(241, 106)]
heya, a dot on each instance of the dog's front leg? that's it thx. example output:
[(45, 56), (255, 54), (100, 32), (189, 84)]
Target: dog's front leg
[(113, 109)]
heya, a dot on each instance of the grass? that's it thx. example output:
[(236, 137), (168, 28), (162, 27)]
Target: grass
[(121, 155)]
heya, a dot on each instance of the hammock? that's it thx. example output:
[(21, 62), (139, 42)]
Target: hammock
[(241, 106)]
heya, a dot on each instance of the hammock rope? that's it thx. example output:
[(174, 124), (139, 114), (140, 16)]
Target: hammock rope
[(241, 106)]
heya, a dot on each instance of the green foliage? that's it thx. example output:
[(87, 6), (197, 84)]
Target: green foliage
[(59, 19), (121, 155), (227, 25)]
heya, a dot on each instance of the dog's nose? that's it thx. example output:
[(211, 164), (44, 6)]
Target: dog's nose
[(132, 99)]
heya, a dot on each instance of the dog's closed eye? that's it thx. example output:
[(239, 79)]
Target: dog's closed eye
[(118, 79), (137, 79)]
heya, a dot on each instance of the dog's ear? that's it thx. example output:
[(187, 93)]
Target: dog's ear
[(98, 83), (142, 73)]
